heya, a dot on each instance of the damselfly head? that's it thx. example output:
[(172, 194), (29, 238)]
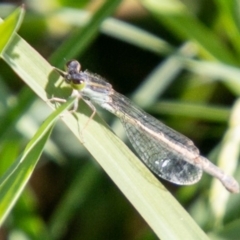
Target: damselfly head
[(73, 75), (73, 66)]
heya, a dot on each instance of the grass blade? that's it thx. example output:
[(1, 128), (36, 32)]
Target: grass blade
[(15, 179), (9, 26)]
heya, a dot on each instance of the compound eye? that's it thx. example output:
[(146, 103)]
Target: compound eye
[(73, 66), (77, 81)]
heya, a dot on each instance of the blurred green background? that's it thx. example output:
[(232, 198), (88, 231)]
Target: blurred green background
[(176, 59)]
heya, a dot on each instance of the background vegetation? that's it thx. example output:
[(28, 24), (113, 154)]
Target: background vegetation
[(176, 59)]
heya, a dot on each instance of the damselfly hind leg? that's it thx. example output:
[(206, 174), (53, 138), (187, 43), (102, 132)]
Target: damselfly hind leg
[(90, 118)]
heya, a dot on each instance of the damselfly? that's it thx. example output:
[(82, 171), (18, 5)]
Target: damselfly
[(164, 151)]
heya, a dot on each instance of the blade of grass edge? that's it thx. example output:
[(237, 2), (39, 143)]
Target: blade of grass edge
[(16, 178), (10, 25)]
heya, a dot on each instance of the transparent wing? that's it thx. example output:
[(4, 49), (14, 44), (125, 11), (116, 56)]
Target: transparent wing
[(164, 162), (158, 156)]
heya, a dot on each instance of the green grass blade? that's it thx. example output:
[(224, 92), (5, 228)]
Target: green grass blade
[(9, 26), (73, 46), (199, 111), (216, 71), (67, 205), (118, 29), (228, 11), (166, 71), (175, 16), (15, 179)]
